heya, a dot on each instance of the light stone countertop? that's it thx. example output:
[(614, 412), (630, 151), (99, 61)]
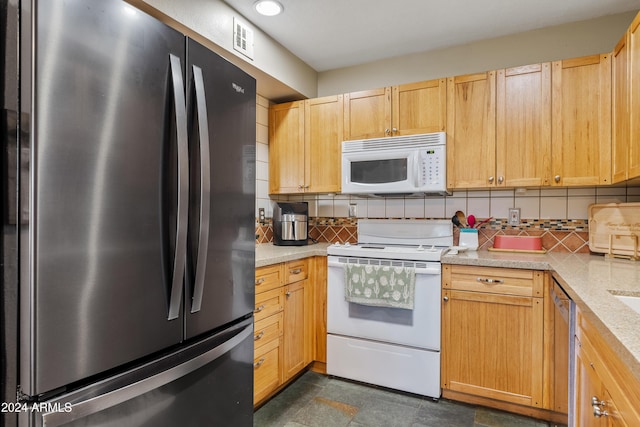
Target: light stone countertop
[(587, 279), (267, 253)]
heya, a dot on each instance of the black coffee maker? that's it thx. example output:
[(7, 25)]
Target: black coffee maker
[(290, 223)]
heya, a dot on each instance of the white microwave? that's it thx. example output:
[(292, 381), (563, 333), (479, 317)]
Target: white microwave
[(398, 165)]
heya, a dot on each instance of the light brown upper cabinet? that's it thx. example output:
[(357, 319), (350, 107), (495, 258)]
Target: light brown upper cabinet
[(620, 111), (625, 144), (395, 111), (634, 101), (523, 118), (286, 148), (581, 121), (471, 130), (323, 140), (304, 146)]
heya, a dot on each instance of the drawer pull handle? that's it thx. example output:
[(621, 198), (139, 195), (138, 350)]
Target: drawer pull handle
[(260, 281), (480, 279), (259, 309), (295, 271), (259, 363), (257, 337)]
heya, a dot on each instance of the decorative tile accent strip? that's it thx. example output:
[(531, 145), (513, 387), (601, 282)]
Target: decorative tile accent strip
[(569, 236)]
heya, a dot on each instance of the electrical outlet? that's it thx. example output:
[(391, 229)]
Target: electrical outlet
[(353, 210), (261, 217), (514, 216)]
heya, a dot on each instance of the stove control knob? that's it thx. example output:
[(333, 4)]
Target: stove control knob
[(420, 248), (346, 245)]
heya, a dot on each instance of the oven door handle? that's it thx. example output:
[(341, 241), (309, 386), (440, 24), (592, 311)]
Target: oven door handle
[(427, 270)]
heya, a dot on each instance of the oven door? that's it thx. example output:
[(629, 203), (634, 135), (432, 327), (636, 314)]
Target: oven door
[(380, 172), (419, 327)]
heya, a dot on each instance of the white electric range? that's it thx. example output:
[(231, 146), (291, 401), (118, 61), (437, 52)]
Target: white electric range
[(387, 346)]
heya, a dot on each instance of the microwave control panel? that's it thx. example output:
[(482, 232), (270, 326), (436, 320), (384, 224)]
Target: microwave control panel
[(432, 165)]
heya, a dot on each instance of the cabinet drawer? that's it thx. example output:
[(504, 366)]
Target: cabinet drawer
[(506, 281), (267, 330), (266, 370), (294, 271), (268, 303), (269, 277)]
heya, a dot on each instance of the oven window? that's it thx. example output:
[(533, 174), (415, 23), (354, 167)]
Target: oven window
[(379, 171)]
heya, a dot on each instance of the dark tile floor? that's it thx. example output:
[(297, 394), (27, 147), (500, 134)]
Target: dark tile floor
[(315, 400)]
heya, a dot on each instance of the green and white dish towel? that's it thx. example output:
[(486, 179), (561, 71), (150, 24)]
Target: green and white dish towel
[(380, 285)]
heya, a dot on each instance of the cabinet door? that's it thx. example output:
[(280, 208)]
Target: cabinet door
[(523, 120), (620, 110), (286, 148), (493, 346), (323, 139), (588, 385), (367, 114), (634, 76), (471, 131), (419, 107), (581, 124), (298, 336)]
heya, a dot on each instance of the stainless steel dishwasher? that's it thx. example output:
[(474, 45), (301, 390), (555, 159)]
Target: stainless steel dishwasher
[(564, 331)]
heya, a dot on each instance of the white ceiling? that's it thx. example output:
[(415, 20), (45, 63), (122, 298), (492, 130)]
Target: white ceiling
[(330, 34)]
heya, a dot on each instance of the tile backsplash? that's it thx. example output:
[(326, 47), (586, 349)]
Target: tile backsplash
[(557, 236)]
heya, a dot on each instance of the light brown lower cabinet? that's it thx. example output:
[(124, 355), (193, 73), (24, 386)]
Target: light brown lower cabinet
[(494, 350), (285, 322), (607, 394)]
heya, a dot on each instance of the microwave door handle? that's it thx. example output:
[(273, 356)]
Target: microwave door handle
[(205, 189), (416, 170)]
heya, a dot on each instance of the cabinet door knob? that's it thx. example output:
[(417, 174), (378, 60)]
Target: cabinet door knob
[(491, 180), (446, 299), (500, 179), (288, 294), (387, 131), (394, 130), (556, 178)]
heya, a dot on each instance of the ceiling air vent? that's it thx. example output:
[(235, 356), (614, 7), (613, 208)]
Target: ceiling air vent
[(242, 38)]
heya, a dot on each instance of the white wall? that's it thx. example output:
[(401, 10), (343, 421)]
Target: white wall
[(279, 73), (262, 155), (547, 44)]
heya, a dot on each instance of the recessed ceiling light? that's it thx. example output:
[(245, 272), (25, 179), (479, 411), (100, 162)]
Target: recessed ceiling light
[(268, 7)]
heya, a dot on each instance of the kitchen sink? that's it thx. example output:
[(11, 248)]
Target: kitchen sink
[(633, 301)]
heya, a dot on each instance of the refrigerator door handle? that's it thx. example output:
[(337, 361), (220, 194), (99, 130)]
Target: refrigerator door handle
[(205, 189), (179, 260), (74, 411)]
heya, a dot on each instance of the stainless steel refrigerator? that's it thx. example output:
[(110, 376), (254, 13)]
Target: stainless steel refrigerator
[(128, 171)]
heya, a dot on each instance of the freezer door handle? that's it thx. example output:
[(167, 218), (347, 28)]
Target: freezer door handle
[(105, 401), (205, 189), (179, 260)]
